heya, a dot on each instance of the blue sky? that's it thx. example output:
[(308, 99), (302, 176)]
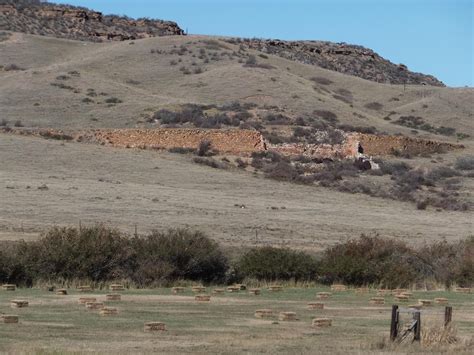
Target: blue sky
[(429, 36)]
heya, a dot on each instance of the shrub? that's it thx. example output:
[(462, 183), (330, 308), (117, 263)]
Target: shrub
[(372, 260), (178, 255), (18, 123), (269, 263), (321, 80), (113, 100), (465, 163), (181, 150), (55, 135), (4, 122), (210, 162), (241, 163), (451, 263), (12, 67), (393, 168), (95, 253), (377, 106), (204, 148), (328, 116)]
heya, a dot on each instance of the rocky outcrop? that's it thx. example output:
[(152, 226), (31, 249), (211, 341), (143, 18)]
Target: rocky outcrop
[(344, 58), (78, 23)]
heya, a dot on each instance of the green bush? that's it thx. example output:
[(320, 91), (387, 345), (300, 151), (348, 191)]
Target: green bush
[(178, 255), (373, 260), (269, 263), (96, 253)]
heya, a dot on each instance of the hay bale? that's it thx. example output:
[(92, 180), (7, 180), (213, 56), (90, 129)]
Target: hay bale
[(154, 327), (383, 292), (116, 287), (397, 291), (94, 305), (338, 288), (287, 316), (321, 323), (9, 319), (108, 311), (416, 306), (202, 298), (462, 290), (113, 297), (254, 291), (177, 290), (441, 300), (242, 287), (425, 303), (275, 288), (377, 300), (8, 287), (264, 313), (408, 294), (61, 292), (323, 295), (362, 290), (85, 288), (402, 298), (18, 303), (198, 289), (233, 289), (84, 300), (218, 291), (315, 305)]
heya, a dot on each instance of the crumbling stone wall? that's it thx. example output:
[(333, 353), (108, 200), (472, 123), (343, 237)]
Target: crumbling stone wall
[(232, 141), (375, 145)]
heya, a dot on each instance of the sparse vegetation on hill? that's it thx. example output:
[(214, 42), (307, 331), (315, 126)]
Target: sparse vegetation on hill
[(342, 57)]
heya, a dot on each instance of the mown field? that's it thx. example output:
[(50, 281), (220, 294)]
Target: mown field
[(226, 324)]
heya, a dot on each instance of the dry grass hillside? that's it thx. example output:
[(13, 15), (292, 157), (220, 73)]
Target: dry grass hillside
[(66, 84), (73, 84)]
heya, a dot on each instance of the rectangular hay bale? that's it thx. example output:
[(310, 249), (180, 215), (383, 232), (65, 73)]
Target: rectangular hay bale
[(113, 297), (84, 300), (287, 316), (321, 323), (18, 303), (108, 311), (9, 319), (154, 327), (264, 313), (8, 287), (202, 298)]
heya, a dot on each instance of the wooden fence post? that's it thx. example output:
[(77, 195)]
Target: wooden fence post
[(448, 313), (417, 330), (394, 323)]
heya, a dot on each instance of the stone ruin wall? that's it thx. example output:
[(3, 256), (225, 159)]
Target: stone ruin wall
[(244, 142), (375, 145), (232, 141)]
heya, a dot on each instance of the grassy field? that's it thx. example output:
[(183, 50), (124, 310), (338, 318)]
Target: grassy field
[(226, 324), (124, 187)]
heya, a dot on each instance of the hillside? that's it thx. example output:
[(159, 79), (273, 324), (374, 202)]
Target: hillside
[(64, 21), (121, 84), (40, 18), (203, 82)]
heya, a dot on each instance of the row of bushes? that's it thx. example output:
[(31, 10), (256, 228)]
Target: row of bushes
[(103, 254)]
